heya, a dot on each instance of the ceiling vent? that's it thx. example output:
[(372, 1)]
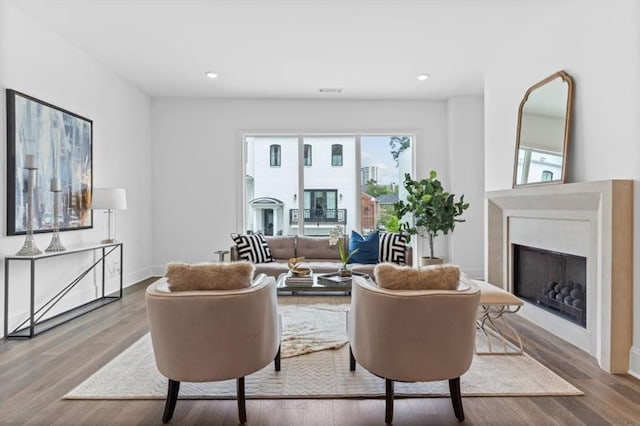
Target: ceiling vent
[(336, 90)]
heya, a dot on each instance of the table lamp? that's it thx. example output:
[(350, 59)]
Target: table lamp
[(109, 199)]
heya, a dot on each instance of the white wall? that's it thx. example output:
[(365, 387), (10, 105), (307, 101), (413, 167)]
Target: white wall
[(605, 65), (197, 160), (41, 64), (465, 124)]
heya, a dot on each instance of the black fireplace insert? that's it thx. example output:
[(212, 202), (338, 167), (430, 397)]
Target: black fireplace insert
[(553, 281)]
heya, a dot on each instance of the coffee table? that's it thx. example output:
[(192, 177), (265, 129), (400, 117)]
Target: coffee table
[(318, 284)]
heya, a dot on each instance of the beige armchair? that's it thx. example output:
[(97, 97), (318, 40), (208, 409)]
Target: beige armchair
[(413, 336), (205, 336)]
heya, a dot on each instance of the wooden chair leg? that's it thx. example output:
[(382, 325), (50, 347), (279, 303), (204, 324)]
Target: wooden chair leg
[(456, 398), (242, 409), (172, 397), (276, 361), (388, 411), (352, 360)]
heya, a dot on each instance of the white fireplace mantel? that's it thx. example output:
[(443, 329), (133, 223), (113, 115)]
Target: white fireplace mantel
[(593, 219)]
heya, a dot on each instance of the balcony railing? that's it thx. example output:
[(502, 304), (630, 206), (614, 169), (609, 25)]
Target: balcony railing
[(337, 216)]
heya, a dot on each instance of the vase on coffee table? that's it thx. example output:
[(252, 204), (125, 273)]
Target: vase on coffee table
[(345, 270)]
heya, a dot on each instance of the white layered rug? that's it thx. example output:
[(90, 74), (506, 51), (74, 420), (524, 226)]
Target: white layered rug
[(312, 328), (316, 365)]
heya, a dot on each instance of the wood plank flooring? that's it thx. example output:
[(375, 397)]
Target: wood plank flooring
[(35, 374)]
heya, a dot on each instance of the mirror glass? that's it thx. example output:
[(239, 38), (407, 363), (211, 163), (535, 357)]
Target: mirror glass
[(543, 132)]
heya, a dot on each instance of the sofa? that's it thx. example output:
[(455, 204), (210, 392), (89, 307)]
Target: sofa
[(319, 255)]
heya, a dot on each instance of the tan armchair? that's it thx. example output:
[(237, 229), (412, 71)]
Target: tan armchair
[(206, 336), (413, 336)]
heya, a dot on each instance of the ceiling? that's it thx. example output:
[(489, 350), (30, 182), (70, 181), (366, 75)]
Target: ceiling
[(290, 49)]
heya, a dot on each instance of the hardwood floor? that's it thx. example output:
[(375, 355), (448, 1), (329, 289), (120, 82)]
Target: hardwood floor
[(35, 374)]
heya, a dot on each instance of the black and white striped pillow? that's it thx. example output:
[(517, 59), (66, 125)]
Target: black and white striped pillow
[(253, 248), (392, 248)]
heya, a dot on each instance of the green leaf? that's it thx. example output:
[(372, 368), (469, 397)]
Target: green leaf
[(434, 210)]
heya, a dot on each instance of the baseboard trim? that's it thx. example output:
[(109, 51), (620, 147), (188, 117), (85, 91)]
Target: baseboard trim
[(634, 362), (144, 283)]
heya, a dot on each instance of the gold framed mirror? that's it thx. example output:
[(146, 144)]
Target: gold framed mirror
[(544, 122)]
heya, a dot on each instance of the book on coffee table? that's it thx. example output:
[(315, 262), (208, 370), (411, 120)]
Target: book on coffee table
[(298, 281)]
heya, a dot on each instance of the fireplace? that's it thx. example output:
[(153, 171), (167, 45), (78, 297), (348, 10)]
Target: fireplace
[(554, 281), (574, 222)]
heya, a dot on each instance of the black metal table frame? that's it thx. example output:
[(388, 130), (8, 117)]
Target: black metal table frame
[(34, 324)]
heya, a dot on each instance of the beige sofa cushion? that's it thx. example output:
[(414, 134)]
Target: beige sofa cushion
[(282, 247), (436, 277), (316, 248), (209, 276)]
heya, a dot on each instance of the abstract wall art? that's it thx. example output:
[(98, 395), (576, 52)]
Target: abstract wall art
[(59, 144)]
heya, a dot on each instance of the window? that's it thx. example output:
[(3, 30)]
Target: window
[(286, 196), (336, 155), (547, 175), (307, 155), (274, 155), (322, 203)]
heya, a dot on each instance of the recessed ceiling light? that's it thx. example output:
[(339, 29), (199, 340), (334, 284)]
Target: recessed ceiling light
[(423, 77), (211, 74)]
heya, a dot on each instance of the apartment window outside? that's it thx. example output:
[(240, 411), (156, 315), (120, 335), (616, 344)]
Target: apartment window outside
[(307, 155), (336, 155), (275, 155)]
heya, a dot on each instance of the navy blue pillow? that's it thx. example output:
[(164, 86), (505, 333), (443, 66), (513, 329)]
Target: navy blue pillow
[(367, 248)]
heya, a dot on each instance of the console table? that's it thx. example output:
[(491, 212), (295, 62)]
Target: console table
[(35, 324)]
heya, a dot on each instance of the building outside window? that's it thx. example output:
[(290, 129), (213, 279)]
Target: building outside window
[(274, 155), (285, 196), (336, 155), (307, 155), (367, 174)]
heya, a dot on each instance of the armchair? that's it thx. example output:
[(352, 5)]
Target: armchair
[(413, 335), (212, 335)]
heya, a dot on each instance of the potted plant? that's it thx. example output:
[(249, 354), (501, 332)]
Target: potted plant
[(336, 237), (434, 210)]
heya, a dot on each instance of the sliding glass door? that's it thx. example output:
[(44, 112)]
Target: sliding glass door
[(328, 182), (384, 160), (308, 184)]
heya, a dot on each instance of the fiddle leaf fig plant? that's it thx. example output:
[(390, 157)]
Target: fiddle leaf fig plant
[(434, 210)]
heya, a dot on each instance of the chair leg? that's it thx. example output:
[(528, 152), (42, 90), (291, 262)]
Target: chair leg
[(172, 397), (352, 360), (388, 411), (456, 398), (242, 409), (276, 361)]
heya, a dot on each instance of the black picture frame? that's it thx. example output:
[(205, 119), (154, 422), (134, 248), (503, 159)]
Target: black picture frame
[(62, 145)]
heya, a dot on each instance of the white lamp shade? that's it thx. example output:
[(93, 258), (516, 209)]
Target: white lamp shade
[(109, 199)]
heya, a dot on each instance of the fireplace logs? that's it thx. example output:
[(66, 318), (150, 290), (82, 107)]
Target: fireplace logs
[(568, 298)]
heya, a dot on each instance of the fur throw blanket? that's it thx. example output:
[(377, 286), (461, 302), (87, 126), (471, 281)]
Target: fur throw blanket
[(435, 277), (209, 276)]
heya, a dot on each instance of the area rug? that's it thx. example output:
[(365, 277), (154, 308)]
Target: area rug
[(312, 328), (320, 373)]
